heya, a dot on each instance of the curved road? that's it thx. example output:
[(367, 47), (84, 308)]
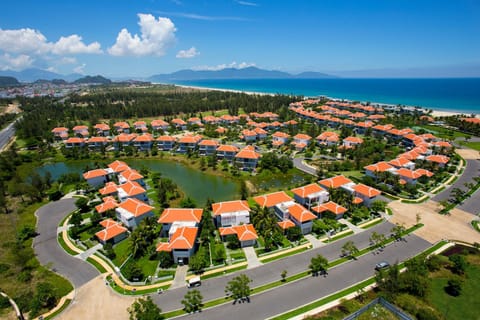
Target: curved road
[(48, 250), (6, 134)]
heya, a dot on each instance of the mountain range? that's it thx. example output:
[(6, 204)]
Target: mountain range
[(233, 73), (32, 75)]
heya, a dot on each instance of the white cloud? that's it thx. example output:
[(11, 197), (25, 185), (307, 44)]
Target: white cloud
[(156, 36), (196, 16), (190, 53), (20, 62), (246, 3), (67, 60), (29, 41), (233, 64), (80, 68), (73, 45)]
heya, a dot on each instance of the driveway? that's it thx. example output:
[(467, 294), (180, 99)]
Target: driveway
[(298, 163), (48, 250), (296, 294), (270, 272)]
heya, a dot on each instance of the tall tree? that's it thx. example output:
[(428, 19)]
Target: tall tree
[(239, 288), (145, 309), (192, 301)]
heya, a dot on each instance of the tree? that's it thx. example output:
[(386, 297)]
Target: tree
[(284, 275), (133, 272), (82, 204), (318, 265), (192, 301), (239, 289), (349, 249), (76, 219), (165, 258), (377, 239), (398, 232), (145, 309), (459, 264), (243, 190), (378, 206), (188, 203)]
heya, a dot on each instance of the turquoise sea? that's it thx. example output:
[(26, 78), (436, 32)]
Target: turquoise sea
[(454, 94)]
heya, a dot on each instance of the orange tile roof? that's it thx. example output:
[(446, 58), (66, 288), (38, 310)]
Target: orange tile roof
[(300, 213), (80, 128), (424, 172), (190, 139), (438, 159), (178, 122), (97, 139), (112, 229), (328, 135), (208, 143), (125, 137), (171, 215), (404, 172), (366, 190), (259, 131), (335, 182), (378, 167), (159, 123), (471, 120), (166, 138), (307, 190), (110, 188), (286, 224), (135, 207), (59, 129), (330, 206), (182, 239), (248, 153), (75, 140), (357, 200), (139, 123), (122, 125), (144, 138), (118, 166), (227, 148), (399, 162), (131, 174), (353, 140), (132, 188), (244, 232), (94, 174), (109, 203), (230, 206), (442, 144), (272, 199), (302, 136), (249, 133)]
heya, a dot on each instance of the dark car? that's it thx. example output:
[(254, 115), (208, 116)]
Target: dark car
[(382, 265)]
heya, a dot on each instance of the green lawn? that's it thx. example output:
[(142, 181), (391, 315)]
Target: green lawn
[(471, 144), (443, 133), (122, 252), (461, 307)]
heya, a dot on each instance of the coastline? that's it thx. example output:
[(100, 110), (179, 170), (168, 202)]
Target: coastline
[(435, 112)]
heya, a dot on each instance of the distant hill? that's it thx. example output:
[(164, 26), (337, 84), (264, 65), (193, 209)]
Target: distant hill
[(232, 73), (93, 79), (33, 74), (8, 81), (313, 75)]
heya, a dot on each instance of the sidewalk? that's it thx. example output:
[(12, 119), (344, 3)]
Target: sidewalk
[(352, 227), (314, 241)]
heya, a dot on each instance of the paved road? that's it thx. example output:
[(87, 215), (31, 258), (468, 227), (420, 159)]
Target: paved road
[(6, 134), (48, 250), (214, 288), (293, 295), (297, 163), (472, 204)]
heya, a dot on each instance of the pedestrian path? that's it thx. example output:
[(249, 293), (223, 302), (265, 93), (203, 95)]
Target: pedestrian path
[(314, 241), (252, 258), (180, 277), (352, 227), (85, 254)]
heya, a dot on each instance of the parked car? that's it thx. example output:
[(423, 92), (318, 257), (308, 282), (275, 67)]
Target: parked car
[(382, 265)]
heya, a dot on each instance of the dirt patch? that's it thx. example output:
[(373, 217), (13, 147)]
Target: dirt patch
[(468, 154), (455, 226), (11, 108), (95, 300), (250, 187)]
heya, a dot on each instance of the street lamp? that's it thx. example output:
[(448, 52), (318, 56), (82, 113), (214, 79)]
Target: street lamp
[(210, 251)]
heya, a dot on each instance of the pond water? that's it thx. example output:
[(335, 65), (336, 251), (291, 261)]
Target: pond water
[(197, 185)]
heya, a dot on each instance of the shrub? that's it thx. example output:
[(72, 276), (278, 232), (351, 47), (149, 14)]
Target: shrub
[(427, 314), (4, 302), (166, 260), (454, 287), (133, 272), (459, 264)]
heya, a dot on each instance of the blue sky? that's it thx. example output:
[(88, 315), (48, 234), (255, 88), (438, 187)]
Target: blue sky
[(120, 38)]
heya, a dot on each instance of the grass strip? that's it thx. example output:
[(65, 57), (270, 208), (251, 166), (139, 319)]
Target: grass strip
[(439, 190), (371, 224), (389, 211), (340, 236), (132, 292), (284, 255), (475, 225), (64, 246), (97, 265), (56, 313), (220, 273)]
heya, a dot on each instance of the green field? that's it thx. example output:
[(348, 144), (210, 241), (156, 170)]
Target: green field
[(471, 144)]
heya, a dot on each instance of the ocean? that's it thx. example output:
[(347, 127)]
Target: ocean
[(453, 94)]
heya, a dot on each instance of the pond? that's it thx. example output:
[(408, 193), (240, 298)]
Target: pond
[(195, 184)]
